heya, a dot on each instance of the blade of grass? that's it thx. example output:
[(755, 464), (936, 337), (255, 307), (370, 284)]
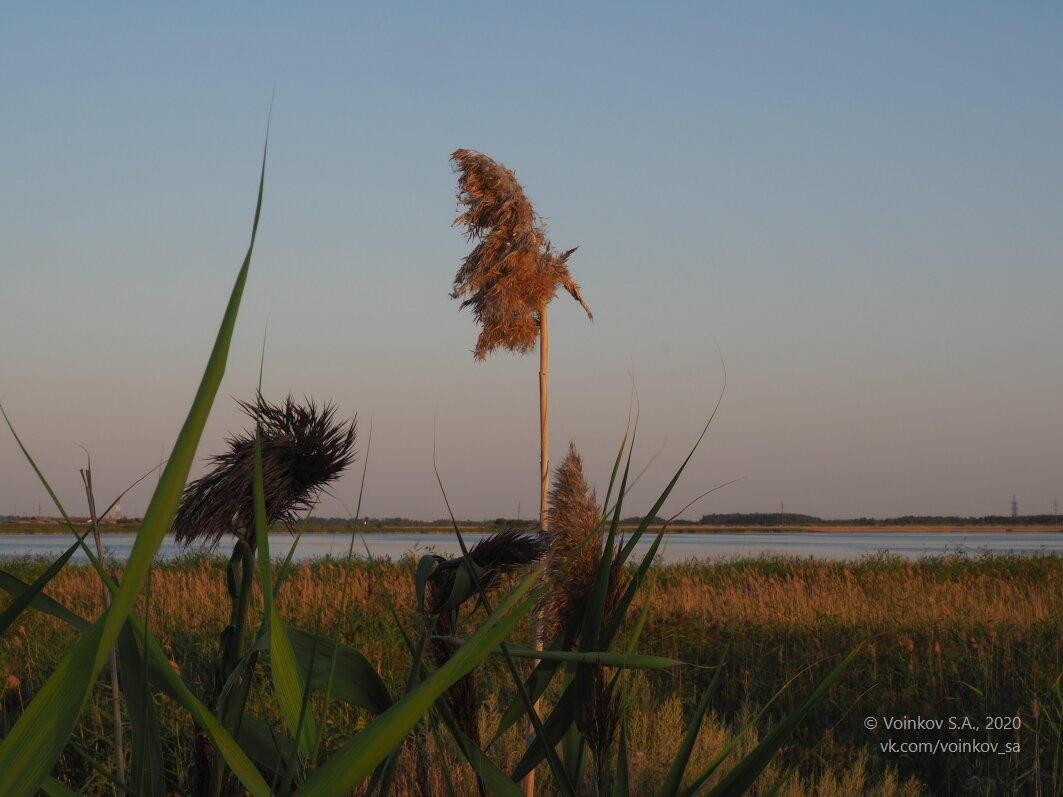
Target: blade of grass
[(351, 764), (739, 779), (32, 596), (31, 748), (621, 788), (53, 788), (28, 592), (674, 777), (287, 682), (556, 767)]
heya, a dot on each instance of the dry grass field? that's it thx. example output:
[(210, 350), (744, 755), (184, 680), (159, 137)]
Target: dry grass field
[(955, 636)]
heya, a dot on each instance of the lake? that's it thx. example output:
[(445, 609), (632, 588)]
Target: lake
[(676, 547)]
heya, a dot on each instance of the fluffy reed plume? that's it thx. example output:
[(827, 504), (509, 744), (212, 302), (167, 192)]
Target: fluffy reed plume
[(513, 272), (304, 448), (497, 556), (574, 518)]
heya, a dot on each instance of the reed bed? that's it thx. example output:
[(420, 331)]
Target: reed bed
[(955, 636)]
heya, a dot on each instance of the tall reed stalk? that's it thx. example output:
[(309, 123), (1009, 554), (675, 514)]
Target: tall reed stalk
[(510, 276), (509, 279)]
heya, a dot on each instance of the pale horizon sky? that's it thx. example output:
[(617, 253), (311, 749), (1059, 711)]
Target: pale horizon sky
[(860, 204)]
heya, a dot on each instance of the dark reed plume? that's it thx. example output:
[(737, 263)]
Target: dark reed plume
[(513, 271), (304, 448), (498, 555)]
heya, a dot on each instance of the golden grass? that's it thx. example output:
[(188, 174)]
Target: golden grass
[(933, 633)]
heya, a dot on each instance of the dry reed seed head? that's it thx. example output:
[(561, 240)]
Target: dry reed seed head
[(512, 272), (574, 520), (304, 449)]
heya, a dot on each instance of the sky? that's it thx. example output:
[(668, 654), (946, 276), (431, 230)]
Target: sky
[(844, 221)]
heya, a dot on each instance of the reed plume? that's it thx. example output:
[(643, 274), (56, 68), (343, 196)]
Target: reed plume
[(304, 449), (513, 271), (574, 521), (575, 556)]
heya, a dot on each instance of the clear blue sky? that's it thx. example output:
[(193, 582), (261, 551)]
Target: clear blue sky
[(861, 203)]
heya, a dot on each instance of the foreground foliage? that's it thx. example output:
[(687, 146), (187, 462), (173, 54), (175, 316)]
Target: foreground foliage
[(951, 636)]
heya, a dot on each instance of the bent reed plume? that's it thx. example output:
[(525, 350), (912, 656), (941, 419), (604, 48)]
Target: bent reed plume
[(495, 556), (304, 449), (513, 272)]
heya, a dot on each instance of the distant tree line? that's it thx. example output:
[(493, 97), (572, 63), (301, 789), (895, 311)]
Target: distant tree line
[(733, 519), (739, 519), (793, 519)]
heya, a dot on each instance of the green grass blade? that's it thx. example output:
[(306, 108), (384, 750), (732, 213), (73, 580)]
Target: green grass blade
[(621, 787), (264, 744), (353, 763), (30, 749), (616, 468), (739, 779), (640, 623), (55, 499), (496, 781), (287, 682), (167, 680), (148, 772), (54, 788), (536, 686), (555, 727), (27, 594), (354, 679), (286, 566), (561, 782), (674, 778), (612, 627), (30, 595)]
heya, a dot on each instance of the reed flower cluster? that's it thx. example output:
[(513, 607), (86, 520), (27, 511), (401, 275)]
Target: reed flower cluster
[(513, 271)]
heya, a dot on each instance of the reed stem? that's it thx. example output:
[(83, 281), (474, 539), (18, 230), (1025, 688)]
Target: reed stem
[(112, 664)]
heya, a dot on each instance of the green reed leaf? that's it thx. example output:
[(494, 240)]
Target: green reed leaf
[(353, 763), (31, 748)]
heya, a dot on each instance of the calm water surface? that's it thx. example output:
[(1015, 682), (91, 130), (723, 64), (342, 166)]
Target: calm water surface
[(676, 548)]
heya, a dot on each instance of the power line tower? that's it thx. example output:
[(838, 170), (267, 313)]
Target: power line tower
[(1014, 507)]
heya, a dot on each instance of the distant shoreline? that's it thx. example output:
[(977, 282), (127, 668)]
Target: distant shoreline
[(111, 530)]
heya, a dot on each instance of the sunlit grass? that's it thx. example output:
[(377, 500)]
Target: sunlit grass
[(939, 629)]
